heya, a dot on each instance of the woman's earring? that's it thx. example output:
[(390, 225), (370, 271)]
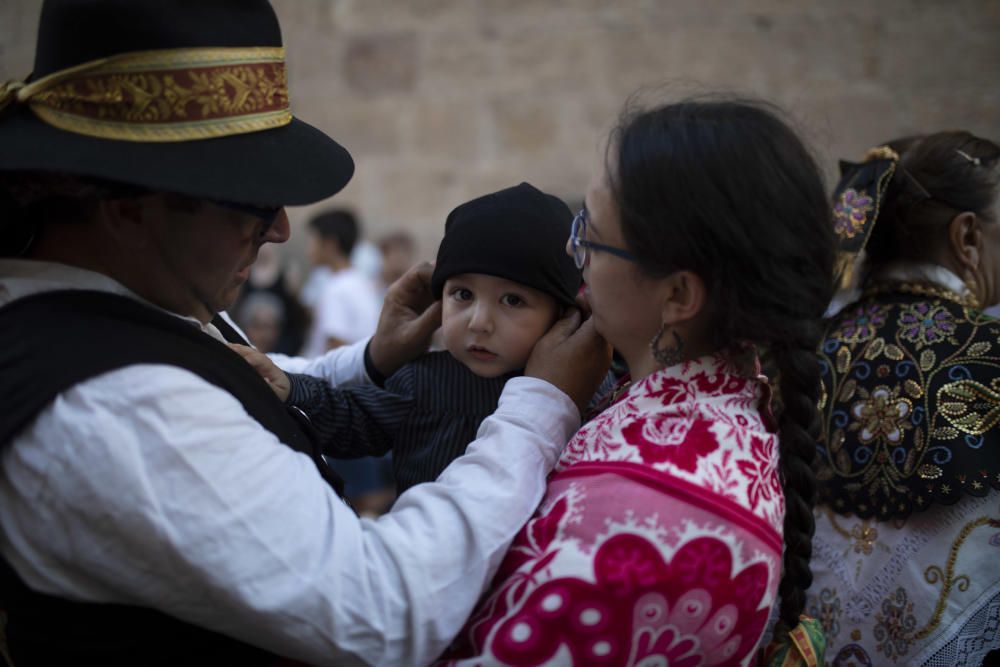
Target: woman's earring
[(666, 356)]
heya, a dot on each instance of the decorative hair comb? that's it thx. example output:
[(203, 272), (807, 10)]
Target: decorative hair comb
[(974, 160)]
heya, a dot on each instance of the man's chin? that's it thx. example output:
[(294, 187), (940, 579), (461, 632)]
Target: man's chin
[(226, 300)]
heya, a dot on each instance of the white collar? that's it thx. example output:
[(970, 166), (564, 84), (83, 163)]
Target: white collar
[(908, 271), (21, 278)]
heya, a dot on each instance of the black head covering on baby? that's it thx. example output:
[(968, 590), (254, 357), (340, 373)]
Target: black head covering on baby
[(518, 233)]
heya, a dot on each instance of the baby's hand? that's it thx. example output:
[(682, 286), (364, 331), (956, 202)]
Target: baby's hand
[(274, 376)]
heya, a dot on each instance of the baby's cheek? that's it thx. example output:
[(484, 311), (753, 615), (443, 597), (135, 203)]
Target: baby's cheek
[(451, 333), (522, 348)]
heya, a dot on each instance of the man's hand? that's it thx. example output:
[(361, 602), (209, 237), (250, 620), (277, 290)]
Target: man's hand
[(410, 315), (573, 357), (274, 376)]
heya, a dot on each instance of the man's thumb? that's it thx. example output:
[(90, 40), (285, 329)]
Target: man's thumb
[(429, 320)]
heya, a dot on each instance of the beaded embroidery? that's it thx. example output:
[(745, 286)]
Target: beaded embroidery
[(910, 402)]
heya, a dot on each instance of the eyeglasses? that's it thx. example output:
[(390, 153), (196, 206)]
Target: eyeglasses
[(582, 247), (266, 214)]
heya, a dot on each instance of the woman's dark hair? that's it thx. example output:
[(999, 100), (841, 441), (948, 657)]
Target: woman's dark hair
[(726, 190), (939, 176)]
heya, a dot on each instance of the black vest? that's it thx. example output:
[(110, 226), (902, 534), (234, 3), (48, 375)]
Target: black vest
[(53, 341)]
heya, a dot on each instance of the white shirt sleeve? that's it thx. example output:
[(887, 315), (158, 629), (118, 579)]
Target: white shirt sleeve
[(150, 486), (340, 366)]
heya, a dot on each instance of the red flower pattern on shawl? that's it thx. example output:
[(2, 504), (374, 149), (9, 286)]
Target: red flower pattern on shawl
[(658, 540), (700, 420), (761, 470), (693, 610), (679, 441), (531, 546)]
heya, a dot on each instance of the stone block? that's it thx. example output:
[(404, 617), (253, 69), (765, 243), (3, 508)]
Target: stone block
[(366, 127), (460, 61), (523, 125), (378, 63), (550, 60), (447, 128)]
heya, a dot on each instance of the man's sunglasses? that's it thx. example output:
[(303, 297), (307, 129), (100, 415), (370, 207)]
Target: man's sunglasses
[(266, 214)]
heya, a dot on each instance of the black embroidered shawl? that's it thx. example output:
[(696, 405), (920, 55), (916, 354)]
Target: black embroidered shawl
[(910, 403)]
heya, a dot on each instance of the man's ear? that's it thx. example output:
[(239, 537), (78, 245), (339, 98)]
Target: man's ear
[(684, 297), (125, 220), (965, 238)]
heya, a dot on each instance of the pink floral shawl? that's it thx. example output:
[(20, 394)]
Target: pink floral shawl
[(658, 540)]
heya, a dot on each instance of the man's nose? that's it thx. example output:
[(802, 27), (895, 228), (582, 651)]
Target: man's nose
[(280, 230)]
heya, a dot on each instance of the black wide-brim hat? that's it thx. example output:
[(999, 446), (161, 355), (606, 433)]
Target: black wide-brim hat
[(290, 164)]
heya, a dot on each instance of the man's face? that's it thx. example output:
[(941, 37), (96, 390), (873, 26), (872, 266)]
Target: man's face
[(491, 324), (203, 252)]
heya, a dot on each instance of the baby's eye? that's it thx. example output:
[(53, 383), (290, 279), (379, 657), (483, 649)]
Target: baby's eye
[(461, 294), (512, 300)]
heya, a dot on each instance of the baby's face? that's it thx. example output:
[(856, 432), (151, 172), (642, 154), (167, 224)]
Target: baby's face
[(491, 324)]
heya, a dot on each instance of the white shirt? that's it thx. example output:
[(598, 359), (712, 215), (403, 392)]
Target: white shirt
[(149, 486), (309, 294), (347, 309)]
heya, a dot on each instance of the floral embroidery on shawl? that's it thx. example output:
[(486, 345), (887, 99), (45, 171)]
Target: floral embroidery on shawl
[(658, 539), (910, 404), (674, 421), (899, 591), (860, 323)]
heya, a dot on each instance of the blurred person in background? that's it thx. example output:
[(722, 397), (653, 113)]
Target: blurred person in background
[(261, 315), (367, 258), (345, 311), (347, 304), (399, 254), (269, 276)]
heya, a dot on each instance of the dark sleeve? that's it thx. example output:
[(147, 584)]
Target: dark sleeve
[(354, 421)]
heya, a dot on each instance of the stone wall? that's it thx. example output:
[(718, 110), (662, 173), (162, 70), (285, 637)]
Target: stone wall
[(442, 100)]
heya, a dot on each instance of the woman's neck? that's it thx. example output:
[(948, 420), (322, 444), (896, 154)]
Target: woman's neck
[(641, 363)]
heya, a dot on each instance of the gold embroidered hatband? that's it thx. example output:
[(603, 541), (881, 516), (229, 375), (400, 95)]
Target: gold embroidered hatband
[(165, 95)]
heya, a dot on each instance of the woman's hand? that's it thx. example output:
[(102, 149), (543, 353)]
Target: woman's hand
[(274, 376), (573, 357)]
